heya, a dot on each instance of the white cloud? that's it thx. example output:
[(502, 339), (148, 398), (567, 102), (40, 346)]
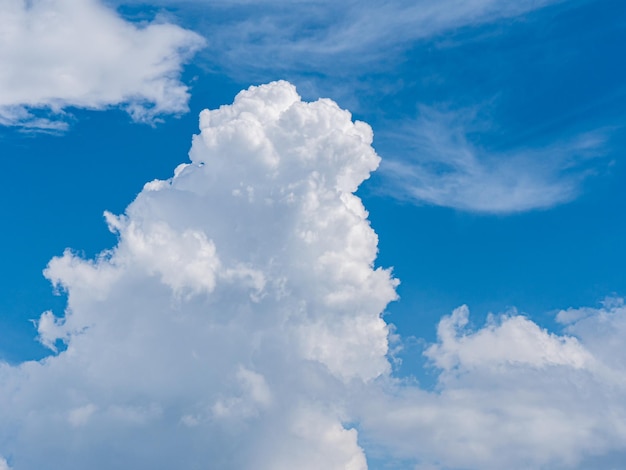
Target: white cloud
[(224, 327), (602, 330), (444, 167), (237, 324), (59, 54), (510, 395), (509, 340)]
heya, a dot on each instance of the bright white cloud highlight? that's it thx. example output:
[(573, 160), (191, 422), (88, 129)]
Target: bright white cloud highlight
[(59, 54), (237, 325), (513, 340)]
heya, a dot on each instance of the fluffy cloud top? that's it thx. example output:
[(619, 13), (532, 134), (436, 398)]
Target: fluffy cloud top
[(514, 340), (56, 54), (237, 325)]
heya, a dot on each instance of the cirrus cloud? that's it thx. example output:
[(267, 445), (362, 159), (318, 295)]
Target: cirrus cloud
[(443, 167)]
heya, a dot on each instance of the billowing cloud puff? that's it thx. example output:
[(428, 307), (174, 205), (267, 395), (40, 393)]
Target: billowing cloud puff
[(512, 395), (237, 324), (226, 325), (56, 54), (514, 340)]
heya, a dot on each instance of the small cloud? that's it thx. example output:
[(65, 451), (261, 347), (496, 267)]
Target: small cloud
[(60, 54), (190, 421), (509, 340)]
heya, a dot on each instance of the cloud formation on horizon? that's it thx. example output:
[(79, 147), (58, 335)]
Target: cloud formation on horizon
[(238, 323)]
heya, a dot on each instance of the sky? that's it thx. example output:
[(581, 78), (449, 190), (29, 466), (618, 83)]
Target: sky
[(260, 234)]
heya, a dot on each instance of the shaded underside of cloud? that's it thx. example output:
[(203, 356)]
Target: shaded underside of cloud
[(58, 54)]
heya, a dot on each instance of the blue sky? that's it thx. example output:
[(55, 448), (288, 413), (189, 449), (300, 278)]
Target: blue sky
[(500, 129)]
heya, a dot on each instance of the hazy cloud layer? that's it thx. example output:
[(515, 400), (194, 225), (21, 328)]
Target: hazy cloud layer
[(57, 54), (334, 37), (237, 324), (442, 166)]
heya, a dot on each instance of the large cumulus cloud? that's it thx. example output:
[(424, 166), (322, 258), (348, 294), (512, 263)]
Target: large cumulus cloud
[(224, 327), (237, 324)]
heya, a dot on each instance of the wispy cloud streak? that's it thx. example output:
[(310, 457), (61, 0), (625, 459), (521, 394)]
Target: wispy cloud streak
[(313, 35), (442, 166)]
